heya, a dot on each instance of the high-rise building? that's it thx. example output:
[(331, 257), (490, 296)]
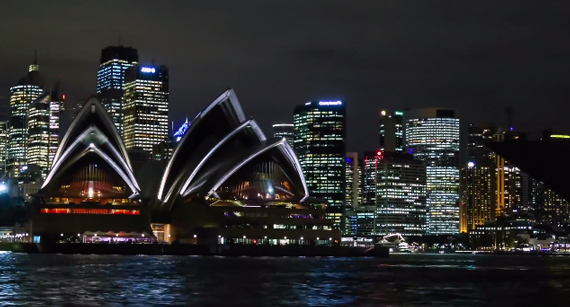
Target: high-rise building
[(146, 107), (38, 121), (43, 123), (352, 175), (115, 60), (478, 178), (3, 145), (391, 131), (432, 135), (320, 129), (401, 195), (286, 131), (56, 113), (28, 90), (368, 180)]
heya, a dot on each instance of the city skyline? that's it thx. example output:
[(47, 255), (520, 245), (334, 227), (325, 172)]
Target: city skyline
[(473, 70)]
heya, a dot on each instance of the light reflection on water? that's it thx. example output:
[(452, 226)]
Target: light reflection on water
[(410, 280)]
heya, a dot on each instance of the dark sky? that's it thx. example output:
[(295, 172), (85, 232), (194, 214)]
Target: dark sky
[(475, 56)]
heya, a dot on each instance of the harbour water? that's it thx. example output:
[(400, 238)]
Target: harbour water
[(401, 280)]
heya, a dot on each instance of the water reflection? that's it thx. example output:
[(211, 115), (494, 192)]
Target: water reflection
[(410, 280)]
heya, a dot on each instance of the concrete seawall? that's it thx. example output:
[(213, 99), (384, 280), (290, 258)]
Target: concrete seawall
[(205, 250)]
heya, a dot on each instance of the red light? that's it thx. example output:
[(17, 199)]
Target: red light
[(63, 96), (254, 241), (380, 154)]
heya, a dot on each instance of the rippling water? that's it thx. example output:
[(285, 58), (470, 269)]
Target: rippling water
[(402, 280)]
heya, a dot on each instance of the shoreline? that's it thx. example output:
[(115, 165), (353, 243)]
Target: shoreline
[(200, 250)]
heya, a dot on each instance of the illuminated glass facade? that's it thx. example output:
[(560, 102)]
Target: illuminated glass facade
[(392, 131), (352, 175), (320, 128), (3, 145), (146, 107), (28, 90), (286, 131), (39, 134), (478, 178), (368, 180), (401, 195), (432, 135), (43, 130), (115, 60)]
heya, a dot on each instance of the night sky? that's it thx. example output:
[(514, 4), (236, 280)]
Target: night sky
[(475, 56)]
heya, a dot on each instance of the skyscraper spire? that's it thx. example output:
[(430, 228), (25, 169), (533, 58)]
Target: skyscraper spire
[(35, 66)]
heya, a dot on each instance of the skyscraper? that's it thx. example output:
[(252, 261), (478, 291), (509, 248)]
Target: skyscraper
[(22, 95), (146, 107), (286, 131), (432, 135), (115, 60), (320, 129), (477, 178), (43, 129), (56, 113), (391, 131), (3, 145), (368, 180), (352, 175), (401, 195), (38, 122)]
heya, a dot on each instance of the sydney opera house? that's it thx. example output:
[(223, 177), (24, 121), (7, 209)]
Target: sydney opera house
[(226, 183)]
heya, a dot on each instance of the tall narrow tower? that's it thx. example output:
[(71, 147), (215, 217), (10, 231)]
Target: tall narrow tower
[(22, 95), (115, 60), (432, 135), (146, 107), (320, 129)]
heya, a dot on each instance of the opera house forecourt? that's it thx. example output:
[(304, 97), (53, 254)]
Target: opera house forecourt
[(226, 184)]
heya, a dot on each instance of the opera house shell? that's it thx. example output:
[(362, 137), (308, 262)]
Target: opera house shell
[(226, 182), (91, 187)]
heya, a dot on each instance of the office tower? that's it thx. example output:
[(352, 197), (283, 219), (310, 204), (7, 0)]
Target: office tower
[(146, 107), (401, 195), (56, 112), (365, 221), (432, 135), (320, 128), (3, 145), (478, 178), (115, 60), (551, 208), (352, 175), (28, 90), (38, 123), (286, 131), (391, 131), (368, 180), (43, 129)]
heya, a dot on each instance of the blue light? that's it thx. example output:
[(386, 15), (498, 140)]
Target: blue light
[(181, 131), (348, 160), (151, 70), (411, 151)]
